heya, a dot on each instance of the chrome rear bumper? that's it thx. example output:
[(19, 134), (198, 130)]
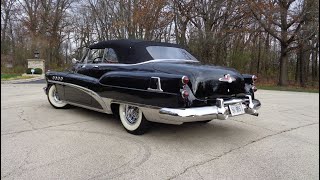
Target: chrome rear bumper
[(220, 111)]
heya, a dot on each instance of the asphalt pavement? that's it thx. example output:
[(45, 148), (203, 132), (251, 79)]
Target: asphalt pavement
[(40, 81), (40, 142)]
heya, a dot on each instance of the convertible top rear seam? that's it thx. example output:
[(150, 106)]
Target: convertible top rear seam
[(145, 62)]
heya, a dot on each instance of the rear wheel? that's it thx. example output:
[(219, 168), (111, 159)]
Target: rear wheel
[(132, 119), (54, 98)]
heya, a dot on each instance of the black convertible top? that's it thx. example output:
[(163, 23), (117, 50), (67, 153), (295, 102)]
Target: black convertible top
[(131, 51)]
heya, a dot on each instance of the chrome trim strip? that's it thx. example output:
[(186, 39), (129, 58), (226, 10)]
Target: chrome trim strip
[(145, 90), (158, 85), (155, 90), (87, 107), (233, 101), (106, 107), (146, 62)]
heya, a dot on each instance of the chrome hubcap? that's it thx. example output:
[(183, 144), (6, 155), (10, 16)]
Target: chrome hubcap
[(56, 96), (132, 114)]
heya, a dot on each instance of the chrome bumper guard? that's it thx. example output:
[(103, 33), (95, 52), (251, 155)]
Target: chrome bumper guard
[(45, 90), (220, 111)]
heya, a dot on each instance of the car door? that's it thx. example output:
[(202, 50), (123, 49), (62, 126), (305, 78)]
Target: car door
[(99, 66), (80, 81), (93, 57)]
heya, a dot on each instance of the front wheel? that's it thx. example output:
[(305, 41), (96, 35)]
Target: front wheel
[(54, 98), (132, 119)]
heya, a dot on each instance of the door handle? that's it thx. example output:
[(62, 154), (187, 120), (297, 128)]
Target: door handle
[(95, 66)]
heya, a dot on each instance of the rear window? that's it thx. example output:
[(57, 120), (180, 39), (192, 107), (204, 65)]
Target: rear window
[(161, 52)]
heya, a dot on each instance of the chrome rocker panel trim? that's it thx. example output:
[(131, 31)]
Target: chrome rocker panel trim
[(87, 107)]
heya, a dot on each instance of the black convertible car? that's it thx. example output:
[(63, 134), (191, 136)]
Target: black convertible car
[(143, 81)]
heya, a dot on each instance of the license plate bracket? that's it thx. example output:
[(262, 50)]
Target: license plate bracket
[(236, 109)]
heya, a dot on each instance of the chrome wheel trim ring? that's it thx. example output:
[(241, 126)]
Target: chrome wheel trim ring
[(131, 120)]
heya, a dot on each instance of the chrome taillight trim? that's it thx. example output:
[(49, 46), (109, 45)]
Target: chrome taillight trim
[(254, 78), (184, 95), (183, 79)]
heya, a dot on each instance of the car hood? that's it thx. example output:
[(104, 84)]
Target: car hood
[(204, 79)]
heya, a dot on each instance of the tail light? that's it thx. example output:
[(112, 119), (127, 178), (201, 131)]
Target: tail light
[(254, 88), (254, 78), (185, 94), (185, 80)]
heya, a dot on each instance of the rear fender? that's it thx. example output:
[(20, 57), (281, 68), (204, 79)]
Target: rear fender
[(169, 83), (142, 88), (248, 78)]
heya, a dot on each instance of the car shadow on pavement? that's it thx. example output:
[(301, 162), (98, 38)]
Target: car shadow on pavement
[(209, 128), (214, 128)]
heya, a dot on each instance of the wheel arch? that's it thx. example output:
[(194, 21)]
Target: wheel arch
[(115, 108)]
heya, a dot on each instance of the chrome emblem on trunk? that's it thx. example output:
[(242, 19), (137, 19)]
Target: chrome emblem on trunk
[(227, 78)]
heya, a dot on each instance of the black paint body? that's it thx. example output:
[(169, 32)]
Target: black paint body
[(131, 83)]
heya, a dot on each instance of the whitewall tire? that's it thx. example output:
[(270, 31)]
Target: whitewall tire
[(132, 119), (54, 99)]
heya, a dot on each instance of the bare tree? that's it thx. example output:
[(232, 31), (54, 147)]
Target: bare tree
[(7, 7), (282, 22), (259, 36)]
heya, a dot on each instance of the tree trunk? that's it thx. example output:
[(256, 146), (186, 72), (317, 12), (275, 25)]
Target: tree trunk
[(307, 65), (3, 35), (267, 59), (283, 76), (302, 79), (259, 54), (315, 63), (297, 75)]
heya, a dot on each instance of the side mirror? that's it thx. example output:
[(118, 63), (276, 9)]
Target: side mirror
[(74, 61)]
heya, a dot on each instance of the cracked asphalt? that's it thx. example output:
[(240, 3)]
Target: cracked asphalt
[(40, 142)]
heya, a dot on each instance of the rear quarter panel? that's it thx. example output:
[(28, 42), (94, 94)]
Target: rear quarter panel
[(134, 87)]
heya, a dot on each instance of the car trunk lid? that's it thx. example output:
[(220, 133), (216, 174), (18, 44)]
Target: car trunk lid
[(204, 79)]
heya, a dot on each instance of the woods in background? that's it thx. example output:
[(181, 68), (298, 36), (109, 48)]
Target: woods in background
[(276, 39)]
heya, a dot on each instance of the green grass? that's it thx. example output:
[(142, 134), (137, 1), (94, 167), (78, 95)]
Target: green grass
[(288, 88), (6, 77)]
